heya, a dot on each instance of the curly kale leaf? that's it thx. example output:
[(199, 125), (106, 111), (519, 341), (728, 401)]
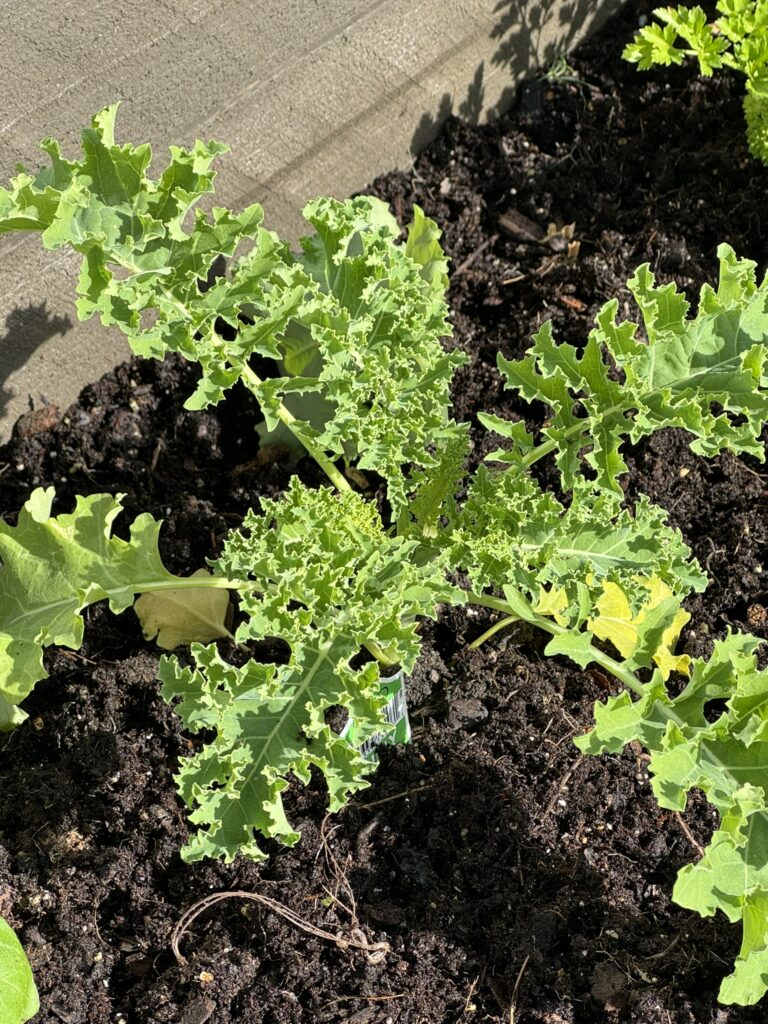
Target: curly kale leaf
[(145, 253), (355, 320), (331, 583), (706, 374), (368, 343), (724, 756), (510, 533), (51, 569)]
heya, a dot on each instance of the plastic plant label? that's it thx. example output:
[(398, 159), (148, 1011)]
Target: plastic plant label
[(395, 712)]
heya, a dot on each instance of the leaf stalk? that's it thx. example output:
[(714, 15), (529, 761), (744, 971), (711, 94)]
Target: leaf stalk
[(605, 661), (286, 417)]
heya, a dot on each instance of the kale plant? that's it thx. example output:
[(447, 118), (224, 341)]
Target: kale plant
[(354, 323)]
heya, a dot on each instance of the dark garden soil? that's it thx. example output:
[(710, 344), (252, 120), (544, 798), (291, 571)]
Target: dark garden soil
[(513, 879)]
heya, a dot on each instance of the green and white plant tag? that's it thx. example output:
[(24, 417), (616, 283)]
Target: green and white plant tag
[(395, 712)]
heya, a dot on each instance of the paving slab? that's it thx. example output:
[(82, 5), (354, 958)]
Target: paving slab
[(314, 97)]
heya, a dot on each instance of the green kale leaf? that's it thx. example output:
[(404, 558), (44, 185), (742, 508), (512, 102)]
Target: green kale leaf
[(706, 374), (330, 582), (18, 995), (54, 567), (510, 533), (726, 759)]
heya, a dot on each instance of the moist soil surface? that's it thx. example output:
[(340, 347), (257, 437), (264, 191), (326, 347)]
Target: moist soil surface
[(513, 879)]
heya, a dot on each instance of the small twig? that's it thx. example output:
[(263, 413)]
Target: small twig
[(76, 656), (375, 951), (663, 953), (697, 846), (760, 476), (364, 835), (516, 989), (389, 799), (368, 999), (155, 456), (473, 255), (468, 1001), (561, 786), (546, 266)]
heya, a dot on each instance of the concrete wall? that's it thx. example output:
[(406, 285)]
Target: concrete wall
[(314, 96)]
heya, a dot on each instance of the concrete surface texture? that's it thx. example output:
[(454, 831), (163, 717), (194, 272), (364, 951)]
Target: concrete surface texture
[(314, 97)]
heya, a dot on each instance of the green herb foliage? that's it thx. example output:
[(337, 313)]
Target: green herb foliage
[(331, 587), (737, 38)]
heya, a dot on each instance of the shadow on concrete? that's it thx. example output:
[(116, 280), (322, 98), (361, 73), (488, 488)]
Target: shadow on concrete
[(520, 31), (26, 329)]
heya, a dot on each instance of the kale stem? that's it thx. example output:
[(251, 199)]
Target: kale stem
[(551, 445), (605, 661), (538, 453), (501, 624), (379, 655), (198, 582), (497, 604), (253, 381)]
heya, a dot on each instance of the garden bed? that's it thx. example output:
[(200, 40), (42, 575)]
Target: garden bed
[(514, 879)]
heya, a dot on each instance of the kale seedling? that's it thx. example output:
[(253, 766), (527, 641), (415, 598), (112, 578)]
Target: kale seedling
[(355, 319)]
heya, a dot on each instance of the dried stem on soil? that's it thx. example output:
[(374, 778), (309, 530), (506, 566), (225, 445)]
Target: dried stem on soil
[(375, 952)]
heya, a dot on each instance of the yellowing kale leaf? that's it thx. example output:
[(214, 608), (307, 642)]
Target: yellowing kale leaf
[(510, 533), (331, 584), (706, 374), (622, 625), (52, 568), (182, 616)]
